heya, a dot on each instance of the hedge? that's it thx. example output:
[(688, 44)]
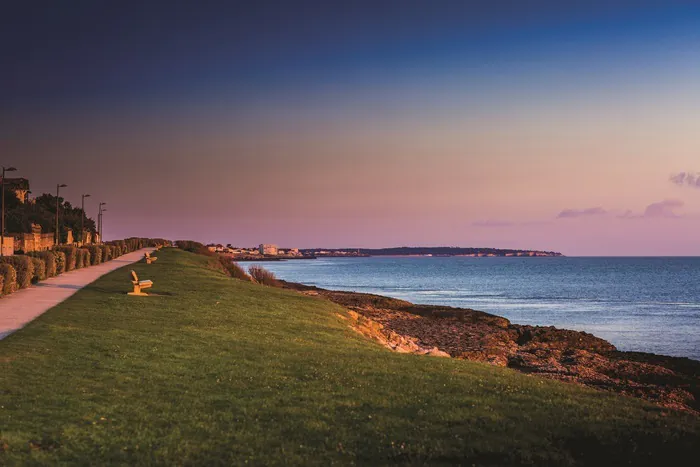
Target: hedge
[(106, 253), (71, 253), (83, 258), (9, 276), (24, 267), (50, 260), (39, 269), (60, 262), (95, 254)]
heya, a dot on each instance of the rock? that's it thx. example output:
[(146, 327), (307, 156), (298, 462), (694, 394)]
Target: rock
[(435, 352)]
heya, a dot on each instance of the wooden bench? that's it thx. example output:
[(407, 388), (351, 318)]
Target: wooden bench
[(139, 285), (149, 259)]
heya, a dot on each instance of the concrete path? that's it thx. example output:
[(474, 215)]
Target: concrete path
[(23, 306)]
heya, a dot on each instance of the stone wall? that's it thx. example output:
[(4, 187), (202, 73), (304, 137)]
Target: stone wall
[(28, 242), (8, 248)]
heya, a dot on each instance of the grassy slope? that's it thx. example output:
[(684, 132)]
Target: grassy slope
[(221, 371)]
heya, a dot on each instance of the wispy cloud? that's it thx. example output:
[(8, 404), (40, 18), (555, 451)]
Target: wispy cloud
[(493, 223), (691, 179), (664, 208), (570, 213)]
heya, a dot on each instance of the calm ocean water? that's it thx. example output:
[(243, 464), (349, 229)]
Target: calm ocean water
[(641, 304)]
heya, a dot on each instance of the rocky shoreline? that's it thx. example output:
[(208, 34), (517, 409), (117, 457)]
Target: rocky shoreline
[(546, 351)]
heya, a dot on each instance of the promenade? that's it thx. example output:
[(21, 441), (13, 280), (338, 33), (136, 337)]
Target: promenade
[(23, 306)]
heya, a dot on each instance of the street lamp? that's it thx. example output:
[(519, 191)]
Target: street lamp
[(2, 224), (99, 220), (102, 225), (58, 236), (82, 222)]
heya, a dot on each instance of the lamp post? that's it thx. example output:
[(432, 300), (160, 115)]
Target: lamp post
[(99, 221), (102, 225), (2, 225), (82, 221), (58, 236)]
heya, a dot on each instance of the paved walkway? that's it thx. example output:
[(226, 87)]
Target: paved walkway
[(23, 306)]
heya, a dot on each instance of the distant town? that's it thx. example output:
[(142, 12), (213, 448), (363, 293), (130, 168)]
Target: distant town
[(270, 252)]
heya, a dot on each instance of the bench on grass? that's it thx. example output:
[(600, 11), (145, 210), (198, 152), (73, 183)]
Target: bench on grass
[(149, 259), (139, 285)]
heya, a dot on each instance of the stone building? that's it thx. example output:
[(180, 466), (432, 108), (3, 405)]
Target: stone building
[(268, 249)]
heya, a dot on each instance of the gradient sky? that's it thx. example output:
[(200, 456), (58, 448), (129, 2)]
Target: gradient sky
[(549, 125)]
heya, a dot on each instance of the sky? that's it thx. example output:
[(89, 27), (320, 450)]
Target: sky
[(567, 126)]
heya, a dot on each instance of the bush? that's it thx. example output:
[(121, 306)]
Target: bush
[(263, 276), (233, 269), (9, 276), (79, 258), (24, 267), (71, 253), (194, 247), (106, 253), (39, 269), (95, 254), (82, 258), (60, 262), (49, 258)]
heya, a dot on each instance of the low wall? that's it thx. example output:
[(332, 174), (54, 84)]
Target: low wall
[(8, 248), (28, 242)]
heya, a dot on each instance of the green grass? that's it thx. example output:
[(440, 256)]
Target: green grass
[(220, 371)]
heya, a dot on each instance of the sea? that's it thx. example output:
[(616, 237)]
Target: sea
[(645, 304)]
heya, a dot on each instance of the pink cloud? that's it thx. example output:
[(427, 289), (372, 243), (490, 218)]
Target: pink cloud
[(570, 213), (663, 208), (691, 179), (493, 223)]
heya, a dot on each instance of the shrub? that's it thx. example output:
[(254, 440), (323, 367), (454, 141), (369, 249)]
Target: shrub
[(79, 258), (233, 269), (95, 254), (71, 253), (194, 247), (9, 276), (49, 258), (60, 262), (263, 276), (39, 269), (24, 267), (83, 258), (106, 253)]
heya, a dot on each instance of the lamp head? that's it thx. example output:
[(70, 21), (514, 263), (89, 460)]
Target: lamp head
[(86, 196), (62, 185), (9, 169)]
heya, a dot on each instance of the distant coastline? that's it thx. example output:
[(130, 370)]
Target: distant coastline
[(273, 253), (428, 251)]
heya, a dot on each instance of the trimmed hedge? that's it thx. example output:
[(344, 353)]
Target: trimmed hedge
[(71, 253), (9, 276), (39, 269), (24, 267), (95, 254), (60, 262), (49, 258), (106, 253), (82, 258)]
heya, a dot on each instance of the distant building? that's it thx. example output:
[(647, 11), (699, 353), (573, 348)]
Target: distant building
[(268, 249), (20, 186)]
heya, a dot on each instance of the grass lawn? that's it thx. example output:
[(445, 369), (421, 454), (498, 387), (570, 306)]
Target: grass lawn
[(219, 371)]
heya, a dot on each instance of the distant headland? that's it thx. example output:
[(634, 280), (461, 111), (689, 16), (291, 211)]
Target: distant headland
[(269, 252)]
